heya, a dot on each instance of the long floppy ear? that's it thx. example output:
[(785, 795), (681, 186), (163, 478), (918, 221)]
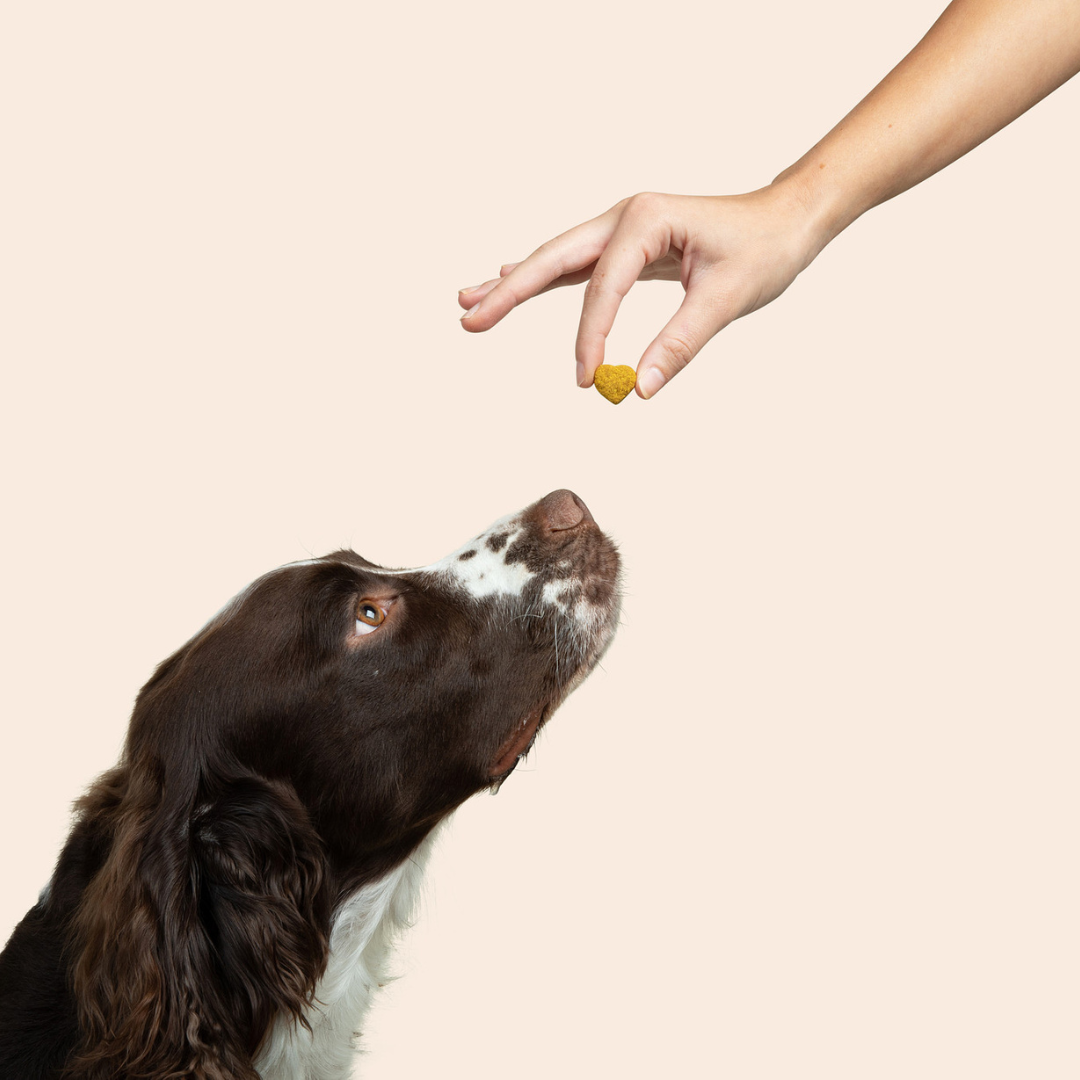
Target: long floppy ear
[(205, 922)]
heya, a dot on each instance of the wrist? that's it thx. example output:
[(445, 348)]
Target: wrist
[(825, 207), (813, 210)]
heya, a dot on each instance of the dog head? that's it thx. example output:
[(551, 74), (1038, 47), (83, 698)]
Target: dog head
[(303, 743)]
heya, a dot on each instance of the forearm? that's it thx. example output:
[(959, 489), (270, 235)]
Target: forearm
[(982, 64)]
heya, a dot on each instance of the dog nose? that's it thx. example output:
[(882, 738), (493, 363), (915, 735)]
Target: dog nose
[(562, 510)]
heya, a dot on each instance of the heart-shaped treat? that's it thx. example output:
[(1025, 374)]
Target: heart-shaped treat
[(614, 381)]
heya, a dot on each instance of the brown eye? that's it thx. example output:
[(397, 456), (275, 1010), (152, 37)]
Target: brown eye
[(369, 616)]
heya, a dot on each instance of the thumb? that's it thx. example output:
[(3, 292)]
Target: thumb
[(689, 330)]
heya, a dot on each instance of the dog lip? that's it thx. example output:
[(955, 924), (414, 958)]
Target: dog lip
[(518, 742)]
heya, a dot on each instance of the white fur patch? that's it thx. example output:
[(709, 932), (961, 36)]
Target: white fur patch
[(362, 935), (484, 570)]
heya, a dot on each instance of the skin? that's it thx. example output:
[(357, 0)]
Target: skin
[(981, 65)]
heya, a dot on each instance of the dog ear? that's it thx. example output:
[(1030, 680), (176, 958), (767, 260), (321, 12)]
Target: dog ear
[(263, 900), (205, 921)]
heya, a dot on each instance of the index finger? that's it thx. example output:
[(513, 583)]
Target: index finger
[(560, 261), (636, 244)]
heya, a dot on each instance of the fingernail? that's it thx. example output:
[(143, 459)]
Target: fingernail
[(580, 374), (650, 381), (468, 288), (471, 312)]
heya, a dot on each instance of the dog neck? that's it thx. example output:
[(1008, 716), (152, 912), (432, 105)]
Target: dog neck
[(362, 936)]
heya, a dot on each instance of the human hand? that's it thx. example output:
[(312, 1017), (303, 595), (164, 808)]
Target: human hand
[(981, 65), (733, 254)]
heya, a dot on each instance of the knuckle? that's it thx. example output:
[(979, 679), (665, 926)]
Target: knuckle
[(512, 295), (678, 351), (501, 298), (551, 257), (595, 287), (546, 249), (645, 205)]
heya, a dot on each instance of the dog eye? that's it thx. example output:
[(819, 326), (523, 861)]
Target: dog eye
[(369, 616)]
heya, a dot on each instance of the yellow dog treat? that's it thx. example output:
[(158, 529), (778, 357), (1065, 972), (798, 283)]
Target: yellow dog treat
[(614, 381)]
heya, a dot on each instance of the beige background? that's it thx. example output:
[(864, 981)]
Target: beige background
[(817, 815)]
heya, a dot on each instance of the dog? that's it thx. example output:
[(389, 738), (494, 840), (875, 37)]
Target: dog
[(226, 901)]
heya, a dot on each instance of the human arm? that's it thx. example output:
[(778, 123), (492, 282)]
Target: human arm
[(982, 64)]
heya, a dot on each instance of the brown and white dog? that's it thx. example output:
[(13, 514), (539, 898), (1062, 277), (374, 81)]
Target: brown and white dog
[(226, 901)]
